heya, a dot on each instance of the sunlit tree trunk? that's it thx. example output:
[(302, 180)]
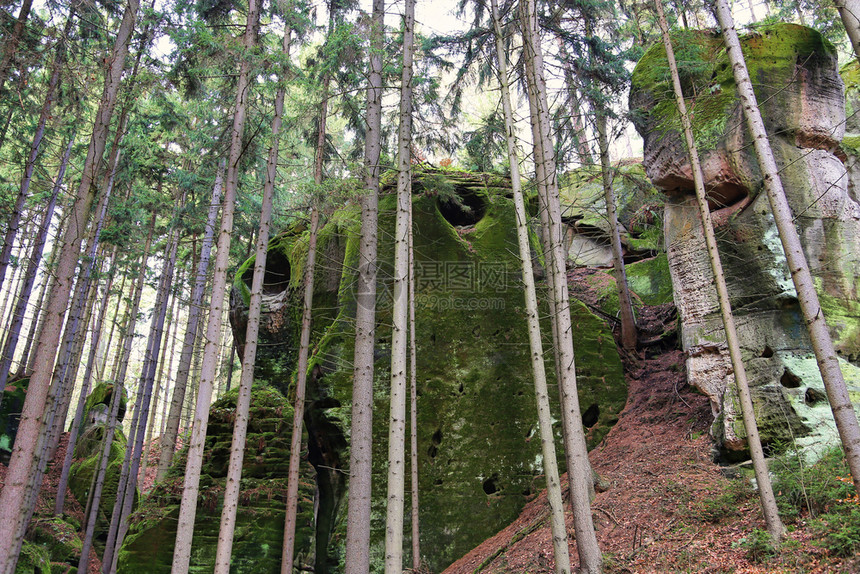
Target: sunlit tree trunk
[(550, 463), (23, 458), (765, 489), (579, 468), (191, 484), (361, 433), (399, 333), (849, 12), (828, 363), (224, 549), (171, 431)]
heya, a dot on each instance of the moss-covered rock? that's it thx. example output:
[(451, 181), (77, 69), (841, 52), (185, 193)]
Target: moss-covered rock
[(34, 559), (479, 458), (798, 87), (87, 455), (10, 415), (259, 534)]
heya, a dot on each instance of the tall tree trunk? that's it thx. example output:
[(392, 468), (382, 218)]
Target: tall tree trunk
[(828, 363), (131, 465), (628, 321), (554, 495), (224, 549), (849, 12), (10, 46), (413, 405), (60, 500), (32, 270), (95, 497), (101, 371), (153, 412), (168, 438), (765, 489), (30, 165), (399, 334), (191, 484), (361, 447), (579, 470)]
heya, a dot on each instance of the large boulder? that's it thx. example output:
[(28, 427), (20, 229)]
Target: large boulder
[(259, 533), (800, 92), (479, 456)]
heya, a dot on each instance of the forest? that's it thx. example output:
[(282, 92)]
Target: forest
[(350, 286)]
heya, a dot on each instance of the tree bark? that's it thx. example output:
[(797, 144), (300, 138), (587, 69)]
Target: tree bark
[(399, 334), (765, 489), (828, 363), (579, 469), (191, 484), (561, 551), (361, 433), (171, 431), (849, 12), (32, 270), (224, 548)]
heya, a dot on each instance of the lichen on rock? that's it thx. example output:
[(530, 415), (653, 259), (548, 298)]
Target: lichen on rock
[(794, 73)]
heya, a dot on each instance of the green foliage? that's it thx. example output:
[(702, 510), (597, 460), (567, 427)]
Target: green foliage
[(727, 502), (758, 544)]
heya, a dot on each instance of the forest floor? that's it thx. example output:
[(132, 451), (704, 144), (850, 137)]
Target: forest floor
[(668, 506)]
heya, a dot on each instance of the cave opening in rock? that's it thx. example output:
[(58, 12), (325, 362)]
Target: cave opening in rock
[(591, 416), (789, 380), (491, 485), (464, 210), (277, 276)]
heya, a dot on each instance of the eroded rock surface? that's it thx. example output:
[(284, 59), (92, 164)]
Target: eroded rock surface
[(479, 455), (795, 75)]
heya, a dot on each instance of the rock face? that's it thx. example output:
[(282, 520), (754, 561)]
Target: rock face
[(801, 97), (479, 458), (148, 547)]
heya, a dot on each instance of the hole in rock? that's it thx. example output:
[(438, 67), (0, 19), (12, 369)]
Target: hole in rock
[(789, 380), (277, 276), (491, 485), (767, 353), (812, 396), (590, 416), (437, 437), (432, 451), (460, 389), (438, 482), (465, 210), (725, 194)]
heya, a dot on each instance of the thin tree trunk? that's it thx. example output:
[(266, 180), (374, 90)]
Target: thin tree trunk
[(153, 412), (579, 471), (361, 447), (102, 368), (85, 389), (10, 46), (32, 270), (399, 334), (191, 484), (131, 465), (30, 164), (765, 489), (625, 302), (550, 463), (171, 431), (413, 405), (828, 363), (224, 550), (299, 408), (95, 497)]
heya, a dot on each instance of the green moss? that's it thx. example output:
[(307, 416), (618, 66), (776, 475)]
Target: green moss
[(650, 280), (771, 53), (34, 559), (260, 517)]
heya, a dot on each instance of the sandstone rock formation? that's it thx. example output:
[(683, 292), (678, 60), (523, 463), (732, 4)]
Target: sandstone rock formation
[(478, 453), (801, 97)]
